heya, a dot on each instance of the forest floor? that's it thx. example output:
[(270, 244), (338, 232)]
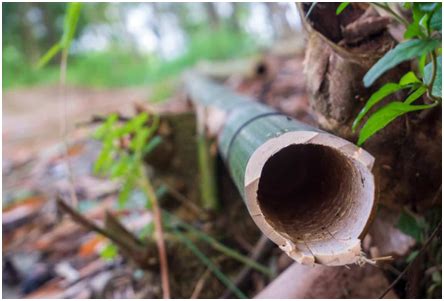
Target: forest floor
[(32, 138), (46, 254)]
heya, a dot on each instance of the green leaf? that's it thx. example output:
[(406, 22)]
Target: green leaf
[(103, 130), (104, 159), (126, 189), (426, 6), (412, 31), (139, 141), (436, 20), (424, 22), (437, 85), (48, 55), (152, 144), (70, 23), (109, 252), (120, 167), (138, 121), (421, 63), (341, 7), (409, 225), (384, 116), (407, 5), (409, 78), (402, 52), (376, 97), (415, 95)]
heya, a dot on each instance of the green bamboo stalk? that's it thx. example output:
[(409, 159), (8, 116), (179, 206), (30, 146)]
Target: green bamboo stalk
[(248, 125), (208, 185)]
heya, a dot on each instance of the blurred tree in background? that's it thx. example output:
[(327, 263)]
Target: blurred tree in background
[(120, 44)]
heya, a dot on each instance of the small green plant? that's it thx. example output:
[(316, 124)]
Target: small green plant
[(422, 42), (124, 147)]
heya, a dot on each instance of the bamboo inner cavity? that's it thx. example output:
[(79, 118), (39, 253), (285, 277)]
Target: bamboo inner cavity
[(306, 190)]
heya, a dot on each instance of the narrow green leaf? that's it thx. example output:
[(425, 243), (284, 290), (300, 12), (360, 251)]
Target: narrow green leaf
[(205, 260), (437, 85), (103, 159), (105, 128), (48, 55), (341, 7), (152, 144), (402, 52), (384, 116), (415, 95), (424, 22), (126, 189), (119, 168), (376, 97), (70, 23)]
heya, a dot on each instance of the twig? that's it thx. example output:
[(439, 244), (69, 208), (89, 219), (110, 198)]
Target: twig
[(146, 184), (387, 8), (200, 283), (262, 245), (86, 223), (64, 125), (99, 119), (184, 200), (426, 244), (202, 257)]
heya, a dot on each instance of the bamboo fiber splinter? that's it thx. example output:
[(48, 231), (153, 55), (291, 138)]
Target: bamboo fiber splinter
[(310, 192)]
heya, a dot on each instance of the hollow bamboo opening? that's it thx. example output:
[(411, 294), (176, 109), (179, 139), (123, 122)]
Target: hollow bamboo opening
[(304, 188), (312, 194)]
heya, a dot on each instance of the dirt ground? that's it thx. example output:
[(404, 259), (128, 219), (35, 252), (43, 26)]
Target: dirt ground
[(32, 116)]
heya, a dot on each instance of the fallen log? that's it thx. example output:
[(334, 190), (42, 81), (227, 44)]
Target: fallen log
[(310, 192)]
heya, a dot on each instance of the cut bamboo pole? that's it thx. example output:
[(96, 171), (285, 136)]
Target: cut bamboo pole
[(322, 282), (310, 192)]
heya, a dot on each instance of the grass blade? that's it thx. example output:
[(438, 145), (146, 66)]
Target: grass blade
[(205, 260)]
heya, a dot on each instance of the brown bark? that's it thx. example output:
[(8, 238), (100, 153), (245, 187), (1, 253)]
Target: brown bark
[(407, 151)]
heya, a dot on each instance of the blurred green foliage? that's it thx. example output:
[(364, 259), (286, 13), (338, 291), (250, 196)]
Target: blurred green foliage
[(30, 29), (117, 68)]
